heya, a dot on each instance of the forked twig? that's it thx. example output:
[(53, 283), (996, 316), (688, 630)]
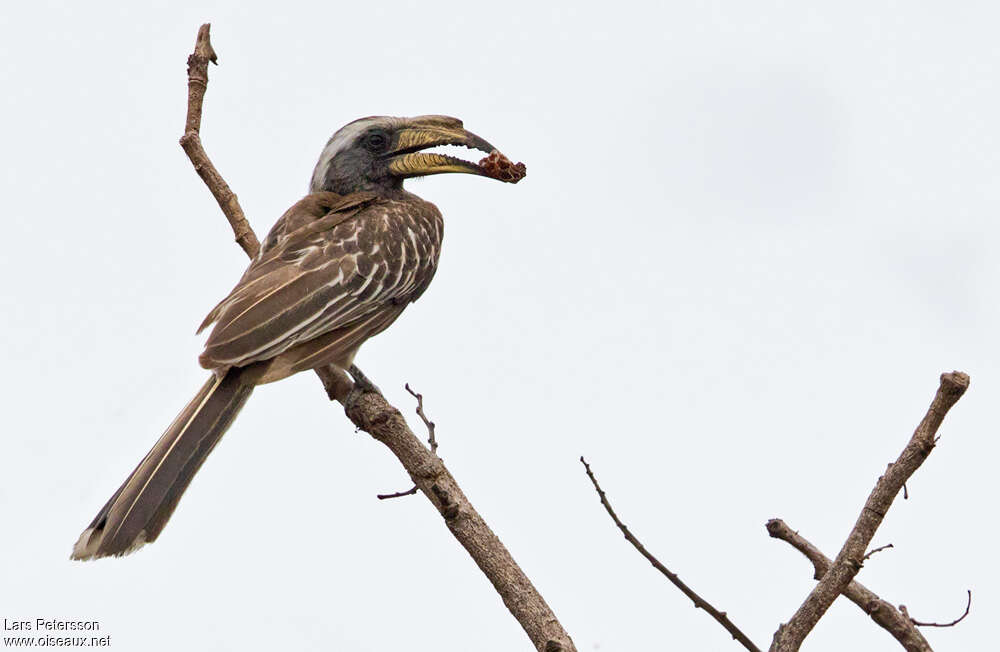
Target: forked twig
[(431, 440), (423, 417)]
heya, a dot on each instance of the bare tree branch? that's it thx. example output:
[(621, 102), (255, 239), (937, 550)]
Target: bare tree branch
[(369, 411), (883, 613), (191, 142), (699, 602), (789, 636), (968, 605)]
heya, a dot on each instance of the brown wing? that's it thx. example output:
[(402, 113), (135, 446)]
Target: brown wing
[(299, 220), (332, 272)]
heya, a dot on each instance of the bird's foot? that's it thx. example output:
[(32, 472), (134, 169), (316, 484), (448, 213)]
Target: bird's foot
[(361, 381)]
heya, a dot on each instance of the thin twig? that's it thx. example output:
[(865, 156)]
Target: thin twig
[(431, 440), (879, 549), (968, 605), (699, 602), (880, 611), (368, 410), (399, 494), (789, 636), (423, 417)]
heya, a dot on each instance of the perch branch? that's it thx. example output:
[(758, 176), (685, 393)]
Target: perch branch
[(884, 614), (699, 602), (369, 411), (789, 636)]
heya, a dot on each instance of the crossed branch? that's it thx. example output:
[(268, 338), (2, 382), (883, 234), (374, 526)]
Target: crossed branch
[(837, 577)]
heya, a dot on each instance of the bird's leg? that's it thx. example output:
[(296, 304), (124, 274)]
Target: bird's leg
[(336, 382), (361, 381)]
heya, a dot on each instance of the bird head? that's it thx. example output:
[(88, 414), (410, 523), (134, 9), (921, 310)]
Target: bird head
[(378, 153)]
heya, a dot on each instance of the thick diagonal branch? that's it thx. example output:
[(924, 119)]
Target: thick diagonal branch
[(369, 411), (373, 414), (789, 636), (884, 614)]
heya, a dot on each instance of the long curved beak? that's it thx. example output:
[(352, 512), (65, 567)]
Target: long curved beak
[(407, 160)]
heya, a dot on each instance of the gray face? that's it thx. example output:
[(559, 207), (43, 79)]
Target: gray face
[(353, 159), (376, 154)]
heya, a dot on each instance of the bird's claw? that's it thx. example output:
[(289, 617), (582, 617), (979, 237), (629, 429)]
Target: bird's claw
[(361, 381)]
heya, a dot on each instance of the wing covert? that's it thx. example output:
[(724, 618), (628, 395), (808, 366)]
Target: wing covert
[(326, 265)]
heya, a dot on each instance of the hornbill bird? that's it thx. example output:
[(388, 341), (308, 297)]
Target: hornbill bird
[(337, 268)]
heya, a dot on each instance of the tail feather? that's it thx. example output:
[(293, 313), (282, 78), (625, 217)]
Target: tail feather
[(139, 510)]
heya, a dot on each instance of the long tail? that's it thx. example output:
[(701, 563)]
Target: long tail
[(140, 508)]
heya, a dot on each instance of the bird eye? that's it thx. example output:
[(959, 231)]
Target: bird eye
[(376, 142)]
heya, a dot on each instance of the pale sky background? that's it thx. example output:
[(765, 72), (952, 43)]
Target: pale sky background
[(751, 237)]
